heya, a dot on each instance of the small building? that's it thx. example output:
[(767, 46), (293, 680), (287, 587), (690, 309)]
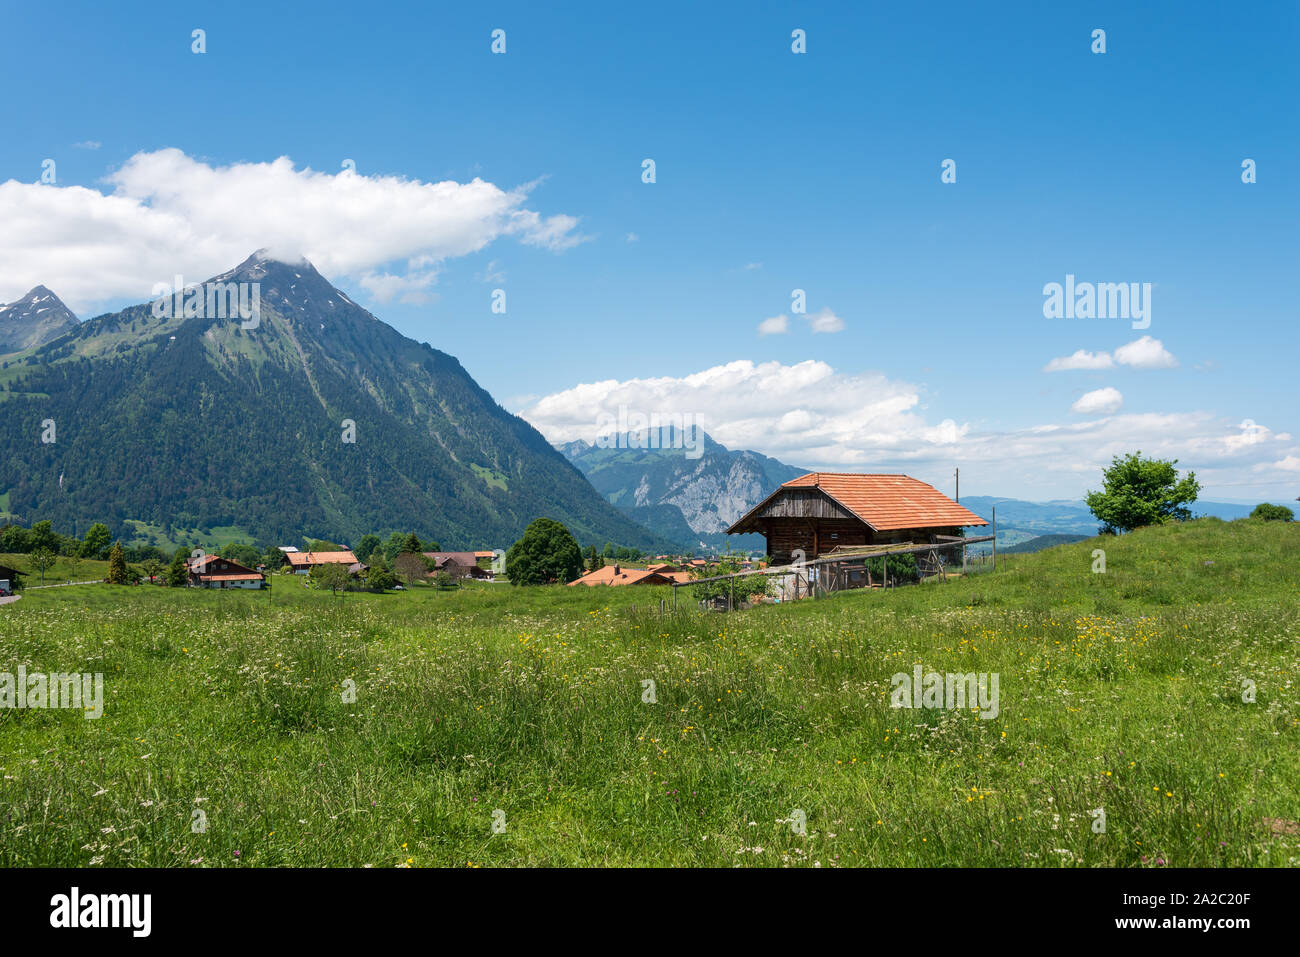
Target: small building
[(821, 512), (302, 562), (8, 579), (213, 571), (459, 564), (618, 575)]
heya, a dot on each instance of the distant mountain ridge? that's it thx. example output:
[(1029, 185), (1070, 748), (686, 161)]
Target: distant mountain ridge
[(315, 420), (669, 485), (33, 320)]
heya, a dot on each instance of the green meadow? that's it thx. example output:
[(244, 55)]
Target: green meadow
[(501, 726)]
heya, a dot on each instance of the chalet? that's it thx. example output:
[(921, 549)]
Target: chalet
[(459, 564), (8, 579), (213, 571), (821, 512), (618, 575), (302, 562)]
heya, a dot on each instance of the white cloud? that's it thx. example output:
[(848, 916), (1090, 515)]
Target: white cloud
[(87, 145), (1144, 353), (750, 267), (812, 416), (1103, 401), (1081, 360), (169, 213), (775, 326), (825, 321), (1289, 464), (632, 237)]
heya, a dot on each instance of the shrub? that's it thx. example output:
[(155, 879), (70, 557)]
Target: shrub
[(1273, 513)]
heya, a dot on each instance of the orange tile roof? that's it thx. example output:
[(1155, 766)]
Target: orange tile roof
[(625, 576), (320, 558), (887, 502)]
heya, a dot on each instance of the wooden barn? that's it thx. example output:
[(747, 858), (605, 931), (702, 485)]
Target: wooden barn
[(821, 512)]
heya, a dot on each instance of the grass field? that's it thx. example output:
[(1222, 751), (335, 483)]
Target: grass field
[(1119, 691)]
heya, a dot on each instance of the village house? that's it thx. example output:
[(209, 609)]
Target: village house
[(213, 571), (821, 512), (661, 574), (459, 564), (302, 562)]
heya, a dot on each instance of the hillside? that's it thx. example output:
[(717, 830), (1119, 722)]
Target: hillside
[(322, 422), (1121, 691), (1041, 542)]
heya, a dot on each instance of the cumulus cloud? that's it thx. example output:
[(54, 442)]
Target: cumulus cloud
[(1144, 353), (825, 321), (775, 326), (806, 410), (1099, 401), (810, 415), (169, 213), (1081, 360)]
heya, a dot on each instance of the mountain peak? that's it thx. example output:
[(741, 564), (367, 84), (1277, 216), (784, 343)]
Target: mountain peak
[(266, 261), (33, 320)]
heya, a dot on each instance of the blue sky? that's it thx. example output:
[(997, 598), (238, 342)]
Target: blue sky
[(775, 171)]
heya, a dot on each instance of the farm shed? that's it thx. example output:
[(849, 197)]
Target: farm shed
[(821, 512)]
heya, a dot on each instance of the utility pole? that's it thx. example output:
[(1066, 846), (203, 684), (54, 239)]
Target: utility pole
[(957, 475), (995, 538)]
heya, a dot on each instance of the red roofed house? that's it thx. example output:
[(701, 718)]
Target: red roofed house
[(302, 562), (460, 564), (822, 511), (213, 571), (618, 575)]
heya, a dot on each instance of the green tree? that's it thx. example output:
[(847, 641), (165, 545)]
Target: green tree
[(412, 544), (547, 552), (178, 572), (332, 576), (273, 559), (366, 547), (321, 545), (116, 565), (43, 535), (742, 588), (15, 539), (97, 542), (153, 568), (1273, 513), (594, 560), (245, 555), (379, 576), (394, 546), (1138, 492), (42, 560)]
